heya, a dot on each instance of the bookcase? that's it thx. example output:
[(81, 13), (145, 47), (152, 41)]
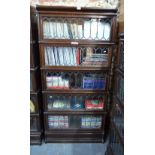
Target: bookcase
[(116, 141), (35, 86), (76, 46)]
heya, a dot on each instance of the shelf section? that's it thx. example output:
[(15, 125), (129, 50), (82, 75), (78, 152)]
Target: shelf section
[(70, 42), (76, 91), (78, 111), (76, 68)]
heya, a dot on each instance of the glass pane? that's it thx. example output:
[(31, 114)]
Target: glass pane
[(77, 28), (120, 88), (118, 120), (115, 143), (34, 124), (73, 56), (75, 122), (86, 102), (75, 80), (121, 56)]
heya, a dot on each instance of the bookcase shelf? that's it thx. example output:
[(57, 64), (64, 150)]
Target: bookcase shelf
[(75, 91), (76, 68), (76, 49), (78, 112), (76, 42)]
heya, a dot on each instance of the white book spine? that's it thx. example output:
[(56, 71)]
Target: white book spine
[(46, 58)]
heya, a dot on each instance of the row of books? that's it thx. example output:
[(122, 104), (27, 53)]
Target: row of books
[(91, 81), (62, 56), (71, 56), (57, 82), (58, 122), (88, 29), (91, 122), (96, 60), (59, 104), (94, 81), (88, 104), (66, 122)]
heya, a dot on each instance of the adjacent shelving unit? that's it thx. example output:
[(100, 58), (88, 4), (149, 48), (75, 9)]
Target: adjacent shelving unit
[(76, 49), (116, 142), (35, 85)]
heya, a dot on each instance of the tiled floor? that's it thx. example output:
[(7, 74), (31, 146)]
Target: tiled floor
[(69, 149)]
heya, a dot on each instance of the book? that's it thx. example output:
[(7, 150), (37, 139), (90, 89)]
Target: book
[(46, 57), (94, 28), (87, 29), (80, 30), (51, 33), (70, 31), (66, 31), (94, 104), (107, 29), (46, 29), (77, 56)]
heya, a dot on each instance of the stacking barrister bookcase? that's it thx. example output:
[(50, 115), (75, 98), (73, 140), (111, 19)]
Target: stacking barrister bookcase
[(35, 85), (76, 47), (116, 142)]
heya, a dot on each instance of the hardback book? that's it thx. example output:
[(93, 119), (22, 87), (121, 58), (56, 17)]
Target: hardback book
[(94, 104)]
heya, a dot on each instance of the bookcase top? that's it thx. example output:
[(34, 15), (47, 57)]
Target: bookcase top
[(75, 9)]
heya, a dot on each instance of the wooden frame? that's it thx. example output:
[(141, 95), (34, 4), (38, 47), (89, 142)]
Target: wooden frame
[(35, 79)]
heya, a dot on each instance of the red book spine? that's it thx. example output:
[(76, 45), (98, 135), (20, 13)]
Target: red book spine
[(78, 56)]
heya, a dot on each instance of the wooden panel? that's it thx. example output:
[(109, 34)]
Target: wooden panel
[(74, 137), (36, 139), (121, 16)]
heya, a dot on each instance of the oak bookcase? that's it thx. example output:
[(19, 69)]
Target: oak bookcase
[(76, 46)]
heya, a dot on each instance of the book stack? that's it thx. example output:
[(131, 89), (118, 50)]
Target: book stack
[(94, 104), (62, 56), (96, 29), (93, 81), (91, 122), (96, 60), (57, 82), (58, 122)]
